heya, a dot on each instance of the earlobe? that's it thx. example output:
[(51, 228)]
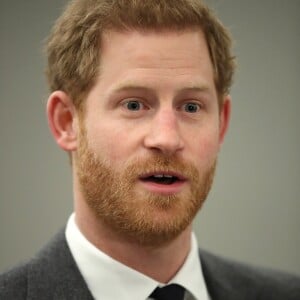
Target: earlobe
[(224, 118), (61, 116)]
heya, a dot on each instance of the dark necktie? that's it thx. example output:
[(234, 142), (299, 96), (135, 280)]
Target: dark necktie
[(168, 292)]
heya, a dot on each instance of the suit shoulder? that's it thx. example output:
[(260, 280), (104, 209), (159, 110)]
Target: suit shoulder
[(13, 283), (19, 282), (261, 283)]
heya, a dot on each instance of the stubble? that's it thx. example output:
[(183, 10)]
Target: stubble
[(146, 218)]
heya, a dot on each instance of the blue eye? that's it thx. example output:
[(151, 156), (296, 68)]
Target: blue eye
[(133, 105), (191, 107)]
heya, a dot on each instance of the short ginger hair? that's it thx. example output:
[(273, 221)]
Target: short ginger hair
[(74, 45)]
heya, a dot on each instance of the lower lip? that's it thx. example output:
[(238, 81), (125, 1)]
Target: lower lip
[(163, 189)]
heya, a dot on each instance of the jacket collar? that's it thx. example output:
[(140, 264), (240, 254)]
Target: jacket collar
[(54, 269)]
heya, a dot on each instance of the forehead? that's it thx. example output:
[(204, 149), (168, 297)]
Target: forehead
[(151, 48), (165, 60)]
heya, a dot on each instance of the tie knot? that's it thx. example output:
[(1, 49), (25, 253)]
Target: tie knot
[(168, 292)]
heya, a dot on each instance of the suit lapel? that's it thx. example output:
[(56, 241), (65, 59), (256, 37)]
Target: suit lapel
[(219, 278), (53, 274)]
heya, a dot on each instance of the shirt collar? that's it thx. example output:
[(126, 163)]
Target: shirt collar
[(109, 279)]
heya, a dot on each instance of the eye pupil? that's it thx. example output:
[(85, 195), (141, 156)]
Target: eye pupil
[(133, 105), (191, 107)]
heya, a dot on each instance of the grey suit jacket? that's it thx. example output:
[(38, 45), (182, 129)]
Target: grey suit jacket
[(53, 274)]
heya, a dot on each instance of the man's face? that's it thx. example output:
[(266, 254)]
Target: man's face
[(150, 134)]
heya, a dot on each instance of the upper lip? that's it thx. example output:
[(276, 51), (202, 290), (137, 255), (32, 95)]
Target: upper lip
[(165, 173)]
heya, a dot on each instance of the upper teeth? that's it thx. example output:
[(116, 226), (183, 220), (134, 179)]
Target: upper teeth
[(162, 175)]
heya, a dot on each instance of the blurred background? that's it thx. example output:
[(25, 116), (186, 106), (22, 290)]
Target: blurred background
[(253, 211)]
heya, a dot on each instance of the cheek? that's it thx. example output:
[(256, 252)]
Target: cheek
[(110, 143), (205, 148)]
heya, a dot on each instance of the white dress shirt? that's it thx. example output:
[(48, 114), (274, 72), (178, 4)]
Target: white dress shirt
[(108, 279)]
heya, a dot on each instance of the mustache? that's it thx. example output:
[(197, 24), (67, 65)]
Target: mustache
[(160, 162)]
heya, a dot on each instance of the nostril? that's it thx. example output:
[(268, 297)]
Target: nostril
[(165, 140)]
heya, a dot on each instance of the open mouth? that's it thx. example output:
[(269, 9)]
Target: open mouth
[(164, 179)]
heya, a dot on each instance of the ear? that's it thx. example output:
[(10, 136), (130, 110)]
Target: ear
[(225, 113), (61, 117)]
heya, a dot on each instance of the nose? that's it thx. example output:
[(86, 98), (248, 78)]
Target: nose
[(164, 133)]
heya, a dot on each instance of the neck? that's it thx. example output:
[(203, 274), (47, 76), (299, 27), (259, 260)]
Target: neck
[(160, 263)]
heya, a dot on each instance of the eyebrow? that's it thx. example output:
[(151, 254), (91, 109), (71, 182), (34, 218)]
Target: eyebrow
[(196, 88), (133, 86)]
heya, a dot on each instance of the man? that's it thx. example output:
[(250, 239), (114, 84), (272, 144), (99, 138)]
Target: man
[(140, 101)]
